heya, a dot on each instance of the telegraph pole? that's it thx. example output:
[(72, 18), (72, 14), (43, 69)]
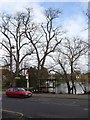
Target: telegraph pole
[(89, 35), (89, 40)]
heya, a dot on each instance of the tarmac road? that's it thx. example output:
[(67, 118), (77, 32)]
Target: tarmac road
[(41, 106)]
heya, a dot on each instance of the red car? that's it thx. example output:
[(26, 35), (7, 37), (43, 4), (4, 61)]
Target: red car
[(18, 92)]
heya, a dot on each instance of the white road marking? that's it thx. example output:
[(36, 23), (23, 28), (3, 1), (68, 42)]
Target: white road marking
[(86, 109)]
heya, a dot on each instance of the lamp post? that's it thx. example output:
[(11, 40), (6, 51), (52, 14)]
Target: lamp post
[(26, 74), (11, 62), (89, 38)]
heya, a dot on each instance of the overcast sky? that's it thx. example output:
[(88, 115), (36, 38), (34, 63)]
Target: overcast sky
[(73, 18)]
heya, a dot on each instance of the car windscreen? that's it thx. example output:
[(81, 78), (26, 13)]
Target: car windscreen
[(21, 89)]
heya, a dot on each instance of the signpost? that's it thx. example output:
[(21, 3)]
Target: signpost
[(27, 78)]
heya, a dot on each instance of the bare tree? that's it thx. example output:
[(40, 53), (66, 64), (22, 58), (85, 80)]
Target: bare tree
[(51, 32), (44, 37), (72, 50), (12, 29), (60, 66)]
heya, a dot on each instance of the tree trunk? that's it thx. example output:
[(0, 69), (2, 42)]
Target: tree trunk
[(68, 86), (72, 79)]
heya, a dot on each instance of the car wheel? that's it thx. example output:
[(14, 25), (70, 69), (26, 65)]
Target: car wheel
[(8, 95)]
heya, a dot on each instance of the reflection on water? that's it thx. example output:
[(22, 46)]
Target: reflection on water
[(63, 88)]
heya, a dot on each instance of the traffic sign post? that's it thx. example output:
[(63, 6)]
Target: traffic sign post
[(27, 78), (27, 83)]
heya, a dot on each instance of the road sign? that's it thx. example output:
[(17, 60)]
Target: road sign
[(17, 77)]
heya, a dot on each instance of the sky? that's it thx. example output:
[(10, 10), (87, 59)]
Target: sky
[(73, 16), (73, 13)]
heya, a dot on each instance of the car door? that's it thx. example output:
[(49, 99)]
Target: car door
[(10, 91), (15, 92)]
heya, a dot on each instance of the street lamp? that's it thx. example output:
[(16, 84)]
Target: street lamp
[(11, 61)]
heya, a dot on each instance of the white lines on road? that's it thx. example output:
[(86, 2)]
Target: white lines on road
[(67, 104), (86, 109), (57, 103)]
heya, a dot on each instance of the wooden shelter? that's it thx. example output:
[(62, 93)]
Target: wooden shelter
[(48, 84)]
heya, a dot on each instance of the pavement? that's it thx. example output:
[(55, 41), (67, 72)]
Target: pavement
[(11, 115)]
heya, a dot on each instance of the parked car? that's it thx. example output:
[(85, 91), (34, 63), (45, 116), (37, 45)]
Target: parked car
[(18, 92)]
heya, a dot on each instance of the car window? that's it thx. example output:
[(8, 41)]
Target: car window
[(10, 89), (15, 89), (21, 89)]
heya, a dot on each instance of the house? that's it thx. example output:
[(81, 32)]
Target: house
[(4, 76)]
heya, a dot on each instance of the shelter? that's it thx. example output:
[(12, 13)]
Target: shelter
[(48, 86)]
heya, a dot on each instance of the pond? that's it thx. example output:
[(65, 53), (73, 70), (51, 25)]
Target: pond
[(62, 88)]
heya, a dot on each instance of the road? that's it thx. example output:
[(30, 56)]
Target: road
[(42, 107)]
